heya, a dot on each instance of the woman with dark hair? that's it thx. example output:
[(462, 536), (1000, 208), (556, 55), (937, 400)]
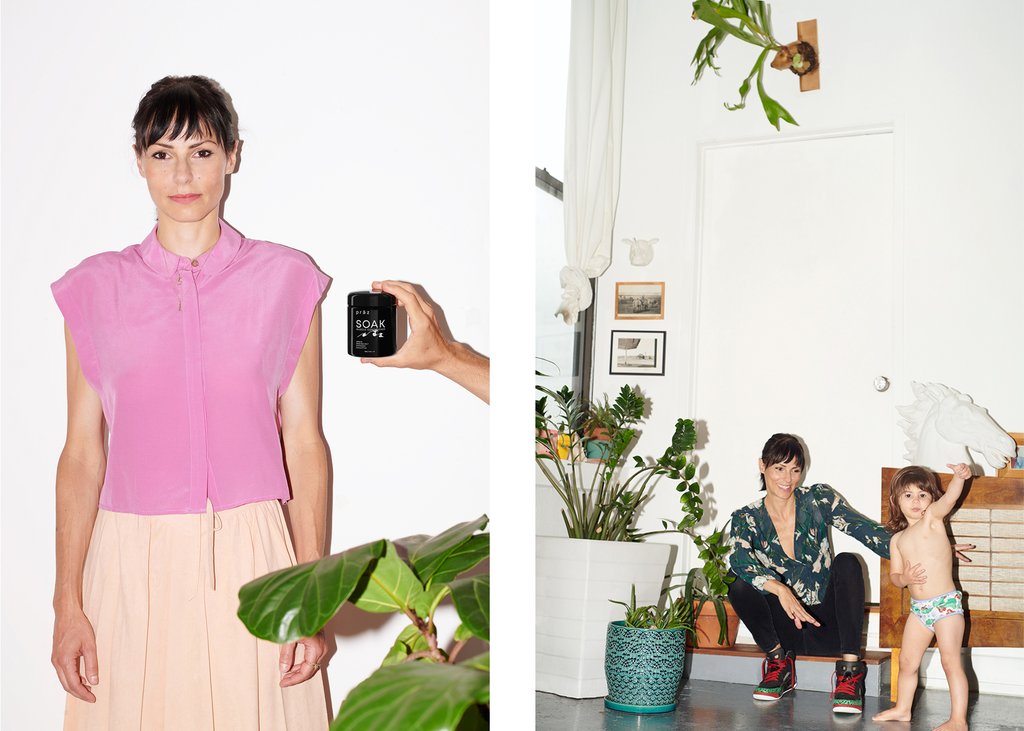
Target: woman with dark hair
[(790, 593), (198, 351)]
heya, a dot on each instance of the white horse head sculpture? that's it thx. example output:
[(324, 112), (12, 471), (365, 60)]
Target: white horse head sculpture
[(942, 424)]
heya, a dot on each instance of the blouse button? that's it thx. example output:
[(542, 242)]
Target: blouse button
[(195, 262)]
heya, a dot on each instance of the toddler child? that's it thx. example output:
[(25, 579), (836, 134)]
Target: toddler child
[(921, 559)]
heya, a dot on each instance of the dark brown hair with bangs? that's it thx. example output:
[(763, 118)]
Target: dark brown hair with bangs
[(185, 106), (780, 449), (912, 476)]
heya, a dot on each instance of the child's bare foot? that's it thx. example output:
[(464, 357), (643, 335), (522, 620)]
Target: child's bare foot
[(893, 714), (952, 725)]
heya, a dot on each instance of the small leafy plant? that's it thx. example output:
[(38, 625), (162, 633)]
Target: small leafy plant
[(751, 22), (675, 615), (419, 684)]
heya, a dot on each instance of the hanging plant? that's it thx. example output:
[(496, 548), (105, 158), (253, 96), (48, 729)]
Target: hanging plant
[(751, 22)]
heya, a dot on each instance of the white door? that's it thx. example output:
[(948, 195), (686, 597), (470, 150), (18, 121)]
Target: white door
[(795, 317)]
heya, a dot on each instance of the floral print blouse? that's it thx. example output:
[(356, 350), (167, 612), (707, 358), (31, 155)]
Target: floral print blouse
[(757, 553)]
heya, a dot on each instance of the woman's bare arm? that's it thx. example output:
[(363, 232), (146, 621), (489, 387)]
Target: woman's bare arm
[(306, 459), (80, 472), (304, 450)]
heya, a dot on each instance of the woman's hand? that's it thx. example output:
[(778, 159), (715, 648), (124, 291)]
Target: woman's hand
[(913, 574), (427, 348), (958, 547), (793, 608), (73, 638), (313, 650)]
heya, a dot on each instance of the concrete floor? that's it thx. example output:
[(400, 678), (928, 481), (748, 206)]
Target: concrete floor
[(710, 706)]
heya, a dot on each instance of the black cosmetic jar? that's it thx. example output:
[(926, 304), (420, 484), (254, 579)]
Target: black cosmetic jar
[(371, 324)]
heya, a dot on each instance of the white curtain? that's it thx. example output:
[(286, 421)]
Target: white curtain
[(593, 144)]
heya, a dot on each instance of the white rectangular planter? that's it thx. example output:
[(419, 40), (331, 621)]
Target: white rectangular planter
[(575, 580)]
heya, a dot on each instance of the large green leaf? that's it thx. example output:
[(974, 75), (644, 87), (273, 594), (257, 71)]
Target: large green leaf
[(409, 641), (445, 552), (772, 109), (390, 587), (427, 602), (480, 662), (413, 696), (472, 599), (712, 13), (684, 438), (298, 601)]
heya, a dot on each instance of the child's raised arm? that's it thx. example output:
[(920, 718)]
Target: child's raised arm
[(942, 507)]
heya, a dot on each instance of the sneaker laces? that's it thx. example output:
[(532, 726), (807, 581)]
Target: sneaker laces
[(847, 683), (772, 668)]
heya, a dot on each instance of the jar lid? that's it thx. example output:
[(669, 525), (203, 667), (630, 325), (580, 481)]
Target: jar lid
[(370, 299)]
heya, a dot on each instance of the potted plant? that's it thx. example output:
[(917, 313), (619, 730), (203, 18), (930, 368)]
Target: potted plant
[(644, 656), (600, 505), (601, 552), (412, 576), (753, 25), (715, 622), (597, 429), (706, 587)]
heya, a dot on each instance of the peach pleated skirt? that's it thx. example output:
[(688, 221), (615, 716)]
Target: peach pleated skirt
[(161, 592)]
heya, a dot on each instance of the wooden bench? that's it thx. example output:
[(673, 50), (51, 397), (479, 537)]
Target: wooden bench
[(991, 516)]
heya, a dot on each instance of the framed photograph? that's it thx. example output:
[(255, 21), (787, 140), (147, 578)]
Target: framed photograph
[(637, 353), (639, 300), (1015, 467)]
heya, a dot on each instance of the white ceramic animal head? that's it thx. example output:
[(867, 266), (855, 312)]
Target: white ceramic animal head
[(641, 251), (942, 424)]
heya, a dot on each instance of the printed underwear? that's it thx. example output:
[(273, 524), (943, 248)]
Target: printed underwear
[(930, 611)]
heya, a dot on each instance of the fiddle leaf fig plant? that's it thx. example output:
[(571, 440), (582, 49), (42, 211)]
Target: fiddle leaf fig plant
[(751, 22), (419, 684)]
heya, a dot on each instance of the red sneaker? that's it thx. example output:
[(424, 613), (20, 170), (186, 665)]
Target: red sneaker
[(778, 677), (848, 681)]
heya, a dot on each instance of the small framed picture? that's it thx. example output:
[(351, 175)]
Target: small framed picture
[(638, 353), (639, 300), (1015, 467)]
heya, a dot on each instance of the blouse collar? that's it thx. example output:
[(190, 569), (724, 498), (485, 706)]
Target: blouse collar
[(213, 261)]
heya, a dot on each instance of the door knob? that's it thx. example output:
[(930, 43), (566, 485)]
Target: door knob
[(881, 384)]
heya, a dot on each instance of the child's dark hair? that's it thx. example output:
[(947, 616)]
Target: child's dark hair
[(781, 448), (912, 476), (185, 105)]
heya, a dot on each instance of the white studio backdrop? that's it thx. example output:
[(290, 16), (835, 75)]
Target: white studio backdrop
[(365, 145)]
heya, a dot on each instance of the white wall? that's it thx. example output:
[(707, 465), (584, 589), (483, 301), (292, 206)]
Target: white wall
[(365, 130), (957, 116)]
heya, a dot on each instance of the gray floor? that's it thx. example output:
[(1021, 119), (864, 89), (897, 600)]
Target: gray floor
[(712, 706)]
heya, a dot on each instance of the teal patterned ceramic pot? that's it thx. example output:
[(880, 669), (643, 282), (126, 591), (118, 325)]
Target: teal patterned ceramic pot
[(643, 668)]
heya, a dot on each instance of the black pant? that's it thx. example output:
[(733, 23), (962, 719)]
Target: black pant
[(841, 614)]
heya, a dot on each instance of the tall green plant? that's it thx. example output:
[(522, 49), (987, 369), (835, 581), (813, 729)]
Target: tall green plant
[(604, 507), (710, 581), (751, 22), (419, 684)]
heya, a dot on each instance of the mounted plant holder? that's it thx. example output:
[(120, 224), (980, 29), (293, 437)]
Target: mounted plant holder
[(753, 24)]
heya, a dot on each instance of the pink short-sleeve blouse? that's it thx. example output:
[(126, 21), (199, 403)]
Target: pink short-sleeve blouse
[(189, 358)]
